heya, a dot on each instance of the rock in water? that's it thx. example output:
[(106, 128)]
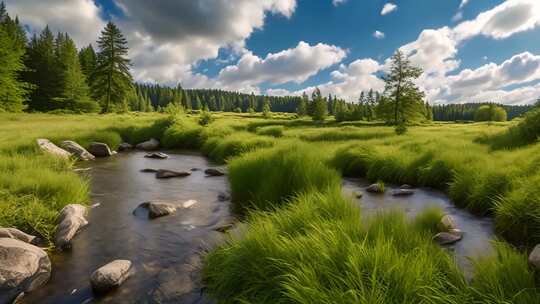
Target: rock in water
[(405, 186), (157, 155), (125, 147), (23, 267), (13, 233), (110, 276), (534, 258), (375, 188), (76, 149), (47, 146), (214, 172), (447, 223), (71, 220), (402, 192), (446, 238), (162, 173), (149, 170), (100, 149), (149, 145), (157, 209)]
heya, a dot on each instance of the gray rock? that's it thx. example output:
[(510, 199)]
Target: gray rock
[(405, 186), (157, 155), (534, 258), (100, 149), (110, 276), (76, 149), (158, 209), (47, 146), (445, 238), (23, 267), (447, 223), (402, 192), (14, 233), (223, 197), (375, 188), (150, 145), (71, 220), (214, 172), (149, 170), (162, 173), (125, 147), (457, 232)]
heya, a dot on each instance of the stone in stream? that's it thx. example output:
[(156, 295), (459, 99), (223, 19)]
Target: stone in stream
[(125, 147), (47, 146), (157, 155), (76, 149), (100, 149), (149, 170), (71, 220), (534, 258), (157, 209), (180, 284), (23, 267), (446, 238), (447, 223), (402, 192), (214, 172), (149, 145), (162, 173), (406, 186), (110, 276), (375, 188), (14, 233)]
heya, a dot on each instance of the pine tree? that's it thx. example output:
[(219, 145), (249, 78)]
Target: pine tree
[(301, 110), (112, 79), (320, 107), (88, 61), (12, 90), (266, 110)]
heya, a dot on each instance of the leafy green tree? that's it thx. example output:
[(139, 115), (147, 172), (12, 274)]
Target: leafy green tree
[(320, 107), (112, 79), (403, 100), (490, 112)]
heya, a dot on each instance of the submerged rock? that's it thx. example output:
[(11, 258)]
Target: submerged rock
[(71, 220), (110, 276), (149, 170), (47, 146), (100, 149), (448, 222), (149, 145), (157, 209), (125, 147), (214, 172), (14, 233), (403, 192), (534, 257), (23, 267), (375, 188), (157, 155), (446, 238), (77, 150), (162, 173)]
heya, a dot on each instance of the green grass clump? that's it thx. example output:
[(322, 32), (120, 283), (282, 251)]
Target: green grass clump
[(345, 133), (221, 149), (182, 133), (266, 178), (275, 131)]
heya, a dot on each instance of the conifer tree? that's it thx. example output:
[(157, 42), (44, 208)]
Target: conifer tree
[(320, 107), (88, 61), (266, 110), (301, 110)]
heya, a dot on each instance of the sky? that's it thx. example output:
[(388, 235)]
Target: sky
[(470, 50)]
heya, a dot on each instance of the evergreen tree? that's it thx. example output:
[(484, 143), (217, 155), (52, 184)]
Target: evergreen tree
[(301, 110), (320, 107), (266, 110), (88, 61), (112, 79)]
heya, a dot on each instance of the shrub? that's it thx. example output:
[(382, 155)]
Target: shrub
[(400, 129), (275, 131), (205, 118)]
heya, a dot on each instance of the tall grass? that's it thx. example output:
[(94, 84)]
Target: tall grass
[(221, 149)]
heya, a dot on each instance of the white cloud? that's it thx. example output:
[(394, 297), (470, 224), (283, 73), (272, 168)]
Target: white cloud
[(338, 2), (458, 16), (388, 8), (463, 3), (378, 35)]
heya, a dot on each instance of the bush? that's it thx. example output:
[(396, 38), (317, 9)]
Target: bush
[(205, 118), (490, 113), (401, 129), (275, 131)]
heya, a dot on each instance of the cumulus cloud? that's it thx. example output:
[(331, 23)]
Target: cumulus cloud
[(338, 2), (378, 35), (463, 3), (388, 8)]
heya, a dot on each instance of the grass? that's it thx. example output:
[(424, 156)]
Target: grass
[(275, 131)]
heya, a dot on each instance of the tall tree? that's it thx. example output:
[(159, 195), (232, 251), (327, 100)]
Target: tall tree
[(403, 100), (88, 61), (301, 110), (112, 79), (320, 107)]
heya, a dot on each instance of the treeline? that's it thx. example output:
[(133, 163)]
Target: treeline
[(467, 111)]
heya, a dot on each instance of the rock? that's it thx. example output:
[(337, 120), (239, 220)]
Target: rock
[(157, 209), (457, 232), (405, 186), (13, 233), (189, 203), (375, 188), (534, 257), (157, 155), (110, 276), (23, 267), (214, 172), (447, 223), (149, 170), (47, 146), (125, 147), (162, 173), (149, 145), (100, 149), (223, 197), (402, 192), (445, 238), (71, 220), (76, 149)]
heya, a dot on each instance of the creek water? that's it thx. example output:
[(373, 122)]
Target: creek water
[(164, 251), (478, 231)]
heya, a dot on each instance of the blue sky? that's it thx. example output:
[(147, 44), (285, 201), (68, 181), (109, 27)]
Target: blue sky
[(471, 50)]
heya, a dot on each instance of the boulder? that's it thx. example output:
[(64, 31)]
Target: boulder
[(149, 145), (149, 170), (375, 188), (23, 267), (110, 276), (157, 155), (125, 147), (446, 238), (162, 173), (100, 149), (534, 258), (13, 233), (76, 149), (71, 220), (402, 192), (457, 232), (447, 223), (214, 172), (47, 146), (157, 209)]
